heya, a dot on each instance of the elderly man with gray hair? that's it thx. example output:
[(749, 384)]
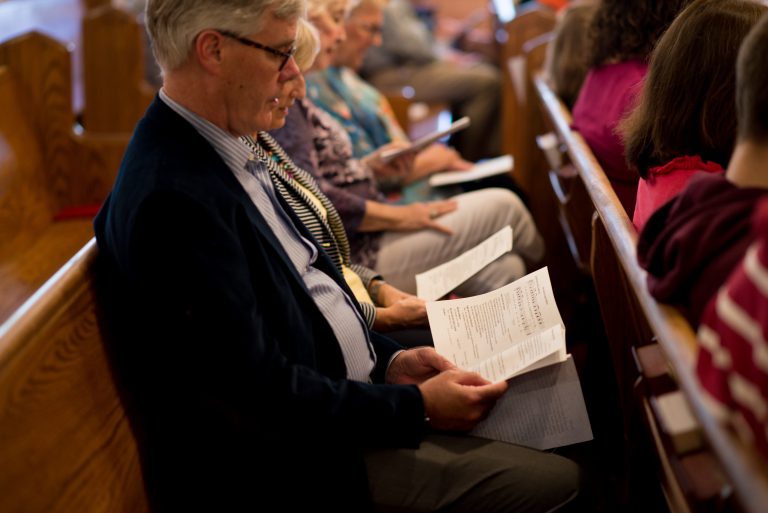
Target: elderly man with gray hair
[(249, 375)]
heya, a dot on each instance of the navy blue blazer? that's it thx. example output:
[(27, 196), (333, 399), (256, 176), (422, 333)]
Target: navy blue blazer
[(234, 381)]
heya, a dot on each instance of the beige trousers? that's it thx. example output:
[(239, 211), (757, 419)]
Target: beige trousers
[(479, 215)]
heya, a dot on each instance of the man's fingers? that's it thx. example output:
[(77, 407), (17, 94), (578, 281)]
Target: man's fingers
[(492, 391), (471, 379)]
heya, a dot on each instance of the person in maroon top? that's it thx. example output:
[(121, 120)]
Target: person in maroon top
[(622, 35), (732, 339), (734, 329)]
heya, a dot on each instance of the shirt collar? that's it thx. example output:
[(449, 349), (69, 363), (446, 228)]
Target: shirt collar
[(229, 147)]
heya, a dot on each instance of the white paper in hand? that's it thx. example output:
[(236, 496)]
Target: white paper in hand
[(439, 281), (503, 333), (423, 142), (484, 169)]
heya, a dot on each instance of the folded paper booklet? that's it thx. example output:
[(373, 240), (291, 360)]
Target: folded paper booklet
[(484, 169), (440, 280), (503, 334), (425, 141)]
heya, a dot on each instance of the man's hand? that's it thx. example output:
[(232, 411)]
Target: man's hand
[(416, 365), (457, 400)]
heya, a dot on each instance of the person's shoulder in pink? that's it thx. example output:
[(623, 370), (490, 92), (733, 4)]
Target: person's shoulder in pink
[(621, 38), (665, 182), (732, 335), (608, 94)]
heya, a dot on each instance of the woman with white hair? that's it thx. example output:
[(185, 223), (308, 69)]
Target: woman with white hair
[(400, 241), (386, 309)]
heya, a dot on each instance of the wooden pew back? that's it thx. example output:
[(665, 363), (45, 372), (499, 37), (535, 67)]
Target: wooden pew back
[(46, 167), (721, 474), (116, 93), (574, 206), (529, 22), (66, 442), (79, 167), (23, 205), (41, 67)]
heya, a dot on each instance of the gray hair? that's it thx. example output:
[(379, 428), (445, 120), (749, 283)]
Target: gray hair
[(173, 25), (307, 44), (357, 4), (315, 7)]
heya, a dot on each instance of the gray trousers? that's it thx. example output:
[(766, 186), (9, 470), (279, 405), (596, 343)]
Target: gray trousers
[(456, 473), (479, 215), (471, 90)]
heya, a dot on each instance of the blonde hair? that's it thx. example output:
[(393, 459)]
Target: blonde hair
[(307, 44), (356, 4)]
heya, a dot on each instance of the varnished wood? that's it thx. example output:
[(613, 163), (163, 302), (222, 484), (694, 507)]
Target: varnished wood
[(45, 166), (529, 166), (530, 21), (40, 67), (92, 4), (58, 19), (744, 472), (116, 94), (400, 105), (65, 440), (574, 205)]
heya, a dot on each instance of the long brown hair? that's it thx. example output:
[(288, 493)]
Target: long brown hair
[(687, 106), (752, 85)]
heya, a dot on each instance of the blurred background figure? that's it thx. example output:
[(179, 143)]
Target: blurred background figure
[(409, 56)]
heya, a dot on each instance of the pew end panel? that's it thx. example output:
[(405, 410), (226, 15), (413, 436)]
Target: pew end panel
[(529, 22), (42, 69), (53, 176)]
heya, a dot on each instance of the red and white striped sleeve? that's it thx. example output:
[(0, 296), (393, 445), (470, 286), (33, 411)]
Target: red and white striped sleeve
[(732, 364)]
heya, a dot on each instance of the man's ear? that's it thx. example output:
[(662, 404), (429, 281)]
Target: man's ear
[(208, 48)]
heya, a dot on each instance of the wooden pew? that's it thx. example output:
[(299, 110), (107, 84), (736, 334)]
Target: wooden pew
[(47, 168), (530, 21), (59, 19), (66, 442), (574, 206), (716, 472), (116, 92)]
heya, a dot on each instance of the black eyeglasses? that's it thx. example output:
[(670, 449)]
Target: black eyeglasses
[(274, 51)]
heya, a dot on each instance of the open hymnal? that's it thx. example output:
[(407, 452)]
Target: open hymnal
[(506, 333), (480, 170), (440, 280), (425, 141)]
